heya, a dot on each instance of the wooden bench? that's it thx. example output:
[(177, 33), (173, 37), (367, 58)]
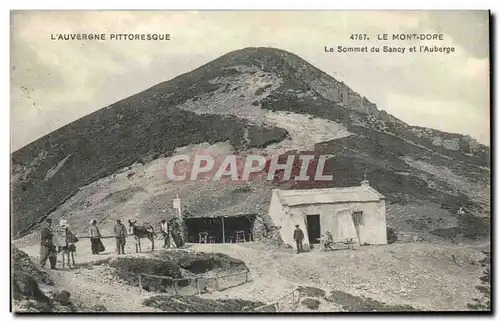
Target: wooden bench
[(349, 242)]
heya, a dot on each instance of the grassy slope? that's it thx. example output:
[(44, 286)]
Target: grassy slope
[(98, 147)]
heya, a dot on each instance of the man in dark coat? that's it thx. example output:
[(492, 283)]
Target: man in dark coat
[(47, 247), (120, 236), (175, 230), (298, 236)]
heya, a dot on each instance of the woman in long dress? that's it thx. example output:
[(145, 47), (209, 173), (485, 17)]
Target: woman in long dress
[(95, 238)]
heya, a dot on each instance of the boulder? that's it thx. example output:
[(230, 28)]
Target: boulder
[(98, 308), (62, 297), (310, 303)]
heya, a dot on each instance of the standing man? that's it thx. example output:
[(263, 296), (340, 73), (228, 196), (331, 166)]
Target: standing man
[(166, 234), (298, 236), (120, 236), (47, 248)]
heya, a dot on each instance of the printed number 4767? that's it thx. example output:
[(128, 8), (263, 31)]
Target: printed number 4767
[(359, 37)]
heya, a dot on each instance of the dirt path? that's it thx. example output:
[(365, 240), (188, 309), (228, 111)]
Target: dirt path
[(425, 276), (96, 286), (267, 285), (91, 285)]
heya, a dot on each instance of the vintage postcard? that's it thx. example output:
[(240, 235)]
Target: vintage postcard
[(250, 161)]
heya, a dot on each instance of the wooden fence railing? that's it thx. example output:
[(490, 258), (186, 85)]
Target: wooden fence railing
[(278, 304), (175, 281)]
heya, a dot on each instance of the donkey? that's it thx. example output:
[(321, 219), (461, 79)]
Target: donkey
[(142, 231), (67, 248), (67, 252)]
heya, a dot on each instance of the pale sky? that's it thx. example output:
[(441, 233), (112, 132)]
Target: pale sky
[(56, 82)]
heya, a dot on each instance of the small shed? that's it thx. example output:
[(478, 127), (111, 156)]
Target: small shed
[(222, 228), (348, 212)]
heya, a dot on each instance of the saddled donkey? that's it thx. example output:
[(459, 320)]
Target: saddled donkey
[(142, 231)]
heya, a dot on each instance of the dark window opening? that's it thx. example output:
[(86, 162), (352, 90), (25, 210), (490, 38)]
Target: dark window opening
[(357, 218), (213, 227)]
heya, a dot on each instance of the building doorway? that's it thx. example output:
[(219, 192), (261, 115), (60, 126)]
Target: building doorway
[(313, 229), (358, 220)]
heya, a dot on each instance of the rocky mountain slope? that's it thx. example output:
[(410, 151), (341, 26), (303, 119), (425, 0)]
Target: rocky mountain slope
[(33, 290), (257, 100)]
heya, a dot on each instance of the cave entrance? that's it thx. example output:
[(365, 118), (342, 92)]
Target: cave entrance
[(221, 229)]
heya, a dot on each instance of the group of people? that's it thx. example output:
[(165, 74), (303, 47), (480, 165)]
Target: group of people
[(61, 240), (96, 245), (298, 236), (171, 232)]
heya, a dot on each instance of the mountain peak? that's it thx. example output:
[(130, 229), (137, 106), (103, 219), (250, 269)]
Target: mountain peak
[(255, 98), (264, 58), (257, 52)]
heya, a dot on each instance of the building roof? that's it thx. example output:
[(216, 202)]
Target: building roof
[(329, 195), (219, 215)]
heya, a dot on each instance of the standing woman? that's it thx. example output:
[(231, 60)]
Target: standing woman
[(95, 238)]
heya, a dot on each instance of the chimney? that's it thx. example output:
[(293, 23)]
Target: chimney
[(365, 183)]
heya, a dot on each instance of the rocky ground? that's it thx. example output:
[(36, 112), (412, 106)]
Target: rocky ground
[(395, 277), (193, 303), (424, 276), (33, 290)]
